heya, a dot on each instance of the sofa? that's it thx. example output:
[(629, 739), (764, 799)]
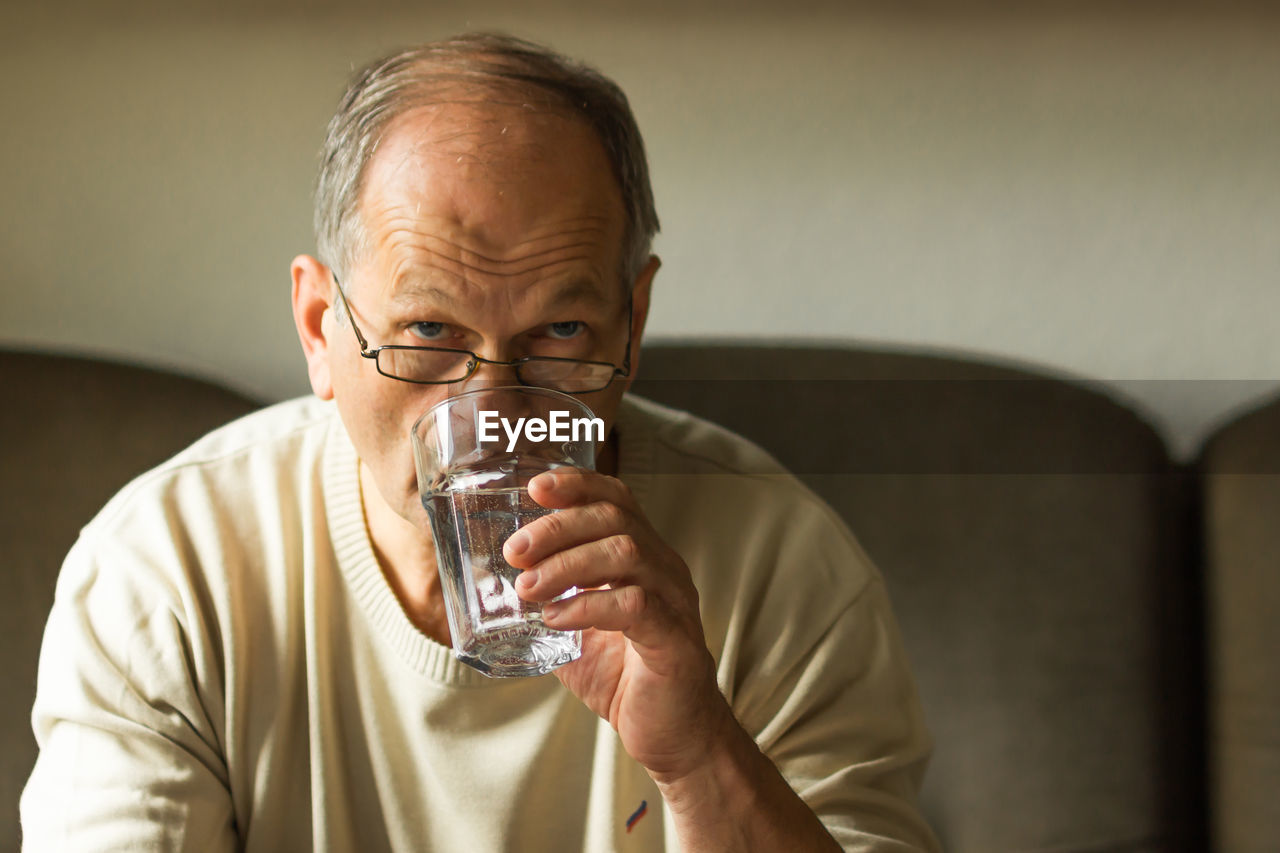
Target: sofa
[(1090, 623)]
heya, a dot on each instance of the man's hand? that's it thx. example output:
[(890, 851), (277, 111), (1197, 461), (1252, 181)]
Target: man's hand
[(645, 665)]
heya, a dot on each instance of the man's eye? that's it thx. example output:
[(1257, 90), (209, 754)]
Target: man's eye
[(566, 330), (429, 331)]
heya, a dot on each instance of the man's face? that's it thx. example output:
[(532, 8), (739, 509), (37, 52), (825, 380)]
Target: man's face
[(491, 228)]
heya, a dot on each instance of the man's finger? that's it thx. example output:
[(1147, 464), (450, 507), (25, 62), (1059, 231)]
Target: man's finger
[(622, 609), (613, 560), (561, 530), (567, 487)]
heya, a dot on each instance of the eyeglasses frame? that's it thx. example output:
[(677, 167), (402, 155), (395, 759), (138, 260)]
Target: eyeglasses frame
[(475, 359)]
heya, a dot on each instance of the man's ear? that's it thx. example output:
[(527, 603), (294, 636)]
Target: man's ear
[(640, 310), (312, 292)]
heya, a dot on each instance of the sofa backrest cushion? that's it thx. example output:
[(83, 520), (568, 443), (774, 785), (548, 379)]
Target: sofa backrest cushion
[(1020, 522), (1240, 470)]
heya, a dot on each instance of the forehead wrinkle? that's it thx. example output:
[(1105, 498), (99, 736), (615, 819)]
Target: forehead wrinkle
[(409, 289), (411, 248), (507, 269), (440, 281), (472, 257), (414, 224), (587, 223)]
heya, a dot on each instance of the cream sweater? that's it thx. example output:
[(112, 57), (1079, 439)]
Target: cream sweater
[(225, 666)]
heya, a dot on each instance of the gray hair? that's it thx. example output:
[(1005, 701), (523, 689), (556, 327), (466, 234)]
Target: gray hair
[(434, 72)]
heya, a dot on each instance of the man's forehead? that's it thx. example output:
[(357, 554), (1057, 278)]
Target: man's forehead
[(463, 151), (492, 188)]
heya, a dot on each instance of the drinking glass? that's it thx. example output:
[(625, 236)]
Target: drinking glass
[(475, 454)]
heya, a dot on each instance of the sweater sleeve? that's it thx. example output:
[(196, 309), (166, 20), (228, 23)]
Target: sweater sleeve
[(130, 755), (846, 730), (817, 673)]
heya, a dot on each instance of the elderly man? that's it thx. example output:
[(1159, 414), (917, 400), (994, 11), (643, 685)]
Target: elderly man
[(249, 647)]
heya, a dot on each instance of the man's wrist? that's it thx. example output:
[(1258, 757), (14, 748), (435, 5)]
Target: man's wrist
[(737, 799), (717, 793), (726, 746)]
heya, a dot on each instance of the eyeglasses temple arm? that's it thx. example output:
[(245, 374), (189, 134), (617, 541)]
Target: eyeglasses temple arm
[(346, 307), (625, 370)]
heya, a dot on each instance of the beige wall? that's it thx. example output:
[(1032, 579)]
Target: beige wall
[(1091, 191)]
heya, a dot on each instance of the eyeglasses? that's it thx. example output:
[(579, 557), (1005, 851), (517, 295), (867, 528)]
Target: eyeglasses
[(442, 365)]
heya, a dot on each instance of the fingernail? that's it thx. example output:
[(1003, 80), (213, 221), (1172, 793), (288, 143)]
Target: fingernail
[(518, 544), (527, 579), (547, 480)]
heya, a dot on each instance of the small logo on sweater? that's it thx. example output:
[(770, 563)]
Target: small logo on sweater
[(639, 813)]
